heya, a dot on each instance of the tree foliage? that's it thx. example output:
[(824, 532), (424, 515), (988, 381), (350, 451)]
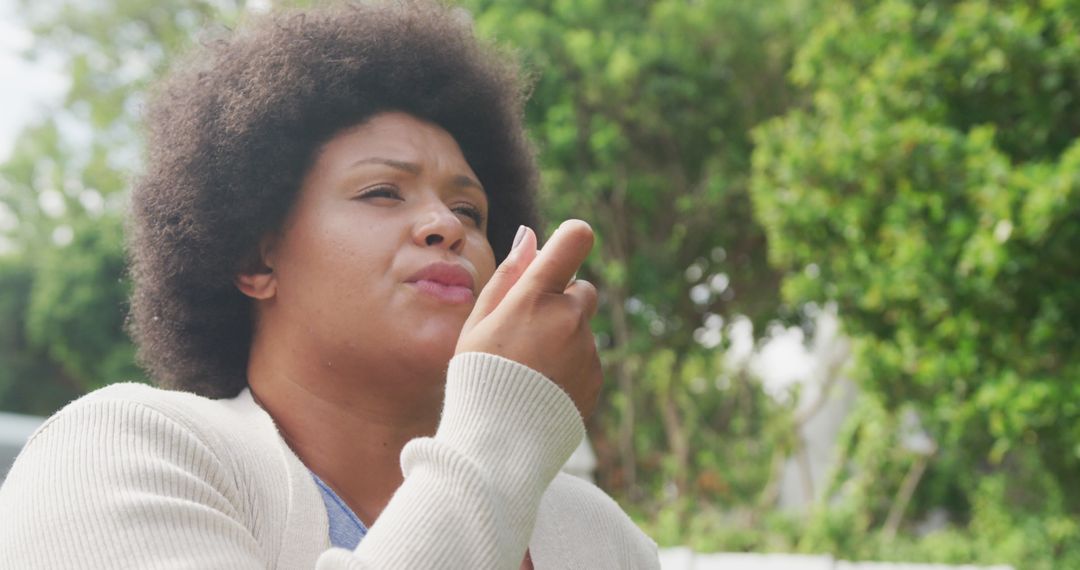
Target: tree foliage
[(913, 163), (642, 113), (65, 185), (931, 191)]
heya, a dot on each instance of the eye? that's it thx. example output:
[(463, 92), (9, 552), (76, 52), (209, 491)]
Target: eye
[(382, 191), (471, 212)]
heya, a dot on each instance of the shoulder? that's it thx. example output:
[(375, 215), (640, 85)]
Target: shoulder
[(576, 512), (175, 404), (139, 473), (129, 440), (140, 424), (129, 405)]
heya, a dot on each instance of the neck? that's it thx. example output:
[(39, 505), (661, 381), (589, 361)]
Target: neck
[(347, 427)]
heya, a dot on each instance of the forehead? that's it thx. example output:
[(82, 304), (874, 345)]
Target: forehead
[(399, 136)]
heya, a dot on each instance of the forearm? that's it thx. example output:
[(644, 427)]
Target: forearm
[(471, 493)]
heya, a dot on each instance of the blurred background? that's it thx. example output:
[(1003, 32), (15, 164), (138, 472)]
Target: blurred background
[(837, 251)]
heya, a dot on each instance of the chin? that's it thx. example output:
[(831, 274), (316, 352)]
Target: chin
[(425, 339), (434, 349)]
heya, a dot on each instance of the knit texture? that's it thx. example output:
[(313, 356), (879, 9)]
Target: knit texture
[(135, 477)]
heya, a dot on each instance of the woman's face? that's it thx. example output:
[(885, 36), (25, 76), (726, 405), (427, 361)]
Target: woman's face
[(384, 252)]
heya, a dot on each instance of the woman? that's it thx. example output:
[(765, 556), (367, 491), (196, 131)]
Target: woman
[(365, 373)]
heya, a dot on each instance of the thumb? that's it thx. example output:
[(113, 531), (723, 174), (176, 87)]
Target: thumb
[(505, 276)]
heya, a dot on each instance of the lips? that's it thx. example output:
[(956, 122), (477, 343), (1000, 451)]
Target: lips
[(446, 282)]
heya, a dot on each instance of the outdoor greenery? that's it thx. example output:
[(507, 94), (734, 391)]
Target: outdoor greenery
[(912, 166)]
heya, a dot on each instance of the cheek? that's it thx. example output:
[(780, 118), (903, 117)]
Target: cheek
[(335, 257)]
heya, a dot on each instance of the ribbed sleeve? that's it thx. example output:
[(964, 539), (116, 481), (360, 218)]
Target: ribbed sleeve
[(471, 492)]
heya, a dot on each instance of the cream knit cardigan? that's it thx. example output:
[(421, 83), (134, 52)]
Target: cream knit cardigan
[(135, 477)]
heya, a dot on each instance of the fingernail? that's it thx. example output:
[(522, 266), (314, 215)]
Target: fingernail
[(517, 239)]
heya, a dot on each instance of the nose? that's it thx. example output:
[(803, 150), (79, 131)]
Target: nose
[(440, 227)]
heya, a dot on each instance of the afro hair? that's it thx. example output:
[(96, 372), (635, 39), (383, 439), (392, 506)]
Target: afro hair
[(233, 131)]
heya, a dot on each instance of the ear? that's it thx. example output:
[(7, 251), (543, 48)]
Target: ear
[(257, 279)]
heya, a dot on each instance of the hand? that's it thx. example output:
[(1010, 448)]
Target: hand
[(531, 312)]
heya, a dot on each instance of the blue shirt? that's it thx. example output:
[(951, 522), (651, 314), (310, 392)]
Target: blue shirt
[(346, 530)]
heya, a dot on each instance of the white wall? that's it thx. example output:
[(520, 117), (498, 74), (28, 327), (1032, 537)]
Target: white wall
[(685, 559)]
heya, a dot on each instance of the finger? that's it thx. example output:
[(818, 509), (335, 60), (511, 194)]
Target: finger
[(504, 278), (584, 293), (560, 258)]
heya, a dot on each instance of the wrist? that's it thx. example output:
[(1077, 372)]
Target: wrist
[(518, 426)]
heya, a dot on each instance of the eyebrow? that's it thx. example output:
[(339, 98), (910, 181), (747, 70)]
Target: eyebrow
[(460, 180)]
